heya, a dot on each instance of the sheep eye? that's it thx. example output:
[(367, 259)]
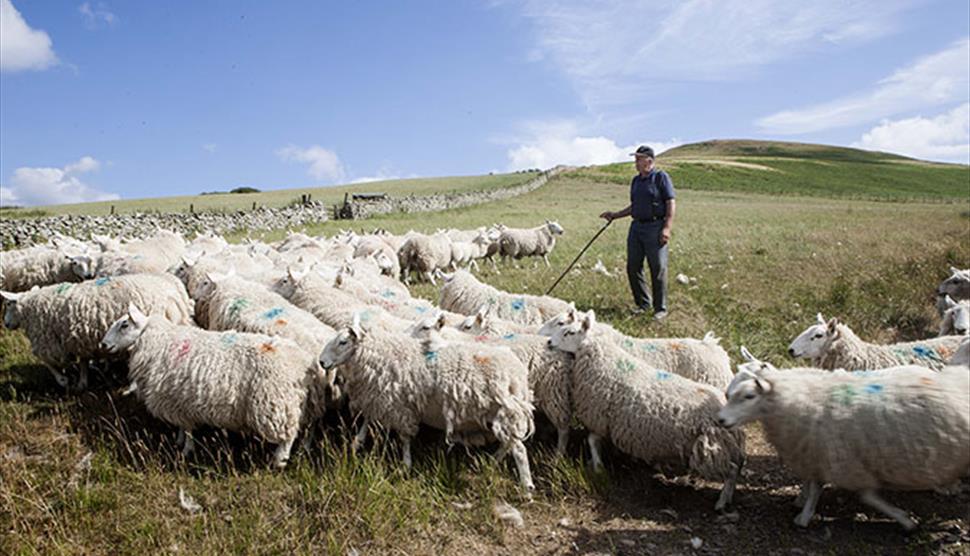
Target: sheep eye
[(343, 342), (124, 325), (818, 335), (750, 396)]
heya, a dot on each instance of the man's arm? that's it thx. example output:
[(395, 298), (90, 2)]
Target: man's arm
[(614, 215), (669, 222)]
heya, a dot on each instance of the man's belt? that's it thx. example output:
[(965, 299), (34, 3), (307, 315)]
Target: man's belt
[(648, 220)]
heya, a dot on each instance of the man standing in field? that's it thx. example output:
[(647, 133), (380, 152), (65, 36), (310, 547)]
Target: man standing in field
[(652, 208)]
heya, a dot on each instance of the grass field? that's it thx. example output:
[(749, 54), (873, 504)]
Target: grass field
[(764, 264), (280, 197)]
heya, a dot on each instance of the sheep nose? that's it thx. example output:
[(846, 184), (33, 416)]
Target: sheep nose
[(791, 351), (103, 345), (721, 421)]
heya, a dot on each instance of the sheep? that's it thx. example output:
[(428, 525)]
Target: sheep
[(962, 355), (233, 380), (548, 370), (649, 413), (424, 254), (463, 293), (66, 321), (701, 360), (41, 265), (465, 253), (484, 322), (532, 242), (957, 286), (900, 428), (393, 380), (831, 345), (956, 317)]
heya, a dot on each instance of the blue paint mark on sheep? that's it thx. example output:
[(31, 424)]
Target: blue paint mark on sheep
[(431, 356), (421, 309), (387, 294), (273, 313), (647, 347), (926, 352), (365, 315), (229, 339), (518, 304), (663, 375), (102, 281), (874, 388), (509, 337)]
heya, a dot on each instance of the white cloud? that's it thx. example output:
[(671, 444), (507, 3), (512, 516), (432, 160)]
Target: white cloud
[(22, 48), (935, 80), (98, 16), (551, 143), (324, 163), (53, 186), (945, 137), (616, 50)]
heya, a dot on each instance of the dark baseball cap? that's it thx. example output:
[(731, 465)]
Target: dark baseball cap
[(644, 151)]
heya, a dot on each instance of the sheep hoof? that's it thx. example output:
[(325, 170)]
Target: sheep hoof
[(803, 520)]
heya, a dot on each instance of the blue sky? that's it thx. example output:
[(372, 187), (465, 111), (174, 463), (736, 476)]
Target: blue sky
[(110, 99)]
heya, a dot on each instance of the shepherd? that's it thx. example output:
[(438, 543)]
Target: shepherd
[(652, 207)]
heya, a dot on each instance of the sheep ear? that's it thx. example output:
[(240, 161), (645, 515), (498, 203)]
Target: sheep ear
[(747, 355), (440, 322), (763, 386), (589, 321), (355, 327), (10, 296), (295, 275), (949, 302), (339, 279), (136, 315), (954, 270), (820, 319), (187, 261), (832, 326)]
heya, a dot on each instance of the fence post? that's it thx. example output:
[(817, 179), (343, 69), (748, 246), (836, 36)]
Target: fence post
[(112, 209), (191, 208), (254, 205)]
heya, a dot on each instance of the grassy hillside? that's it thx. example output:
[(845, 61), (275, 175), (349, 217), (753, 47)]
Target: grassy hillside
[(280, 197), (801, 169), (95, 474)]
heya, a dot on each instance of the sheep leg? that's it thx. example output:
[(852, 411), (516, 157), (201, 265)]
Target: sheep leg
[(594, 450), (406, 451), (563, 441), (521, 458), (546, 258), (82, 382), (360, 437), (870, 497), (282, 453), (59, 377), (188, 443), (811, 490), (727, 491), (800, 499), (430, 277)]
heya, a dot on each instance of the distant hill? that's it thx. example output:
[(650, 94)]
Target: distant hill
[(781, 168)]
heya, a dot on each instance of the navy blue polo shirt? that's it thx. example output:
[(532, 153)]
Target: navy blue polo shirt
[(649, 195)]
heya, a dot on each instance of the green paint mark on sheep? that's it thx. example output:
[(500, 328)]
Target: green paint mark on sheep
[(387, 294), (624, 366), (627, 343), (63, 288), (102, 281), (229, 339), (844, 394), (366, 315), (647, 347), (237, 306)]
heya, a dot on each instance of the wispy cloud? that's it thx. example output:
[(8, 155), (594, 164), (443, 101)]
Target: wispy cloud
[(936, 80), (324, 164), (944, 138), (616, 51), (22, 48), (547, 144), (210, 147), (97, 16), (52, 186)]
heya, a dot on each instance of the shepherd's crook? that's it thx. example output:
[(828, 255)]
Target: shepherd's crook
[(568, 268)]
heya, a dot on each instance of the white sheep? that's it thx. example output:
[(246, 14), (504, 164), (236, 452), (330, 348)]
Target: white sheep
[(701, 360), (962, 355), (465, 294), (394, 381), (532, 242), (957, 286), (956, 317), (41, 265), (65, 322), (233, 380), (548, 370), (901, 428), (649, 413), (832, 345), (424, 254), (466, 253)]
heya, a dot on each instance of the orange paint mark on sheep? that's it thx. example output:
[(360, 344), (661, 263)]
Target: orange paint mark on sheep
[(944, 351), (926, 381), (676, 346), (280, 322), (482, 359), (267, 348)]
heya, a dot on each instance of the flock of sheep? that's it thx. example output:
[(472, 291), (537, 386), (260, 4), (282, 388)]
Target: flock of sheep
[(266, 338)]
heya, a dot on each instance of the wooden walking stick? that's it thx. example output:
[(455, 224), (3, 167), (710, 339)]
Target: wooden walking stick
[(568, 268)]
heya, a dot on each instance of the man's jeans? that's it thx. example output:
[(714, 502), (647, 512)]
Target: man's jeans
[(643, 241)]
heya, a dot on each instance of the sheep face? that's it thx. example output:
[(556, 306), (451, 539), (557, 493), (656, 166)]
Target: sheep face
[(569, 338), (746, 400), (286, 286), (340, 348), (956, 318), (124, 331), (957, 285), (554, 227), (551, 326), (427, 329), (810, 343), (82, 266), (11, 315)]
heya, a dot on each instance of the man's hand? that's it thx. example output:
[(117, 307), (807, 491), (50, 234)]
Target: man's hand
[(607, 215), (664, 235)]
